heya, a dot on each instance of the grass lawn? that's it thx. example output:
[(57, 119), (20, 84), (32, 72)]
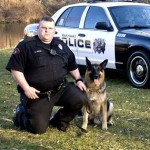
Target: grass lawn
[(131, 116)]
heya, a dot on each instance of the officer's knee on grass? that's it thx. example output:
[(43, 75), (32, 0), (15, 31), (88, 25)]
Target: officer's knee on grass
[(38, 128)]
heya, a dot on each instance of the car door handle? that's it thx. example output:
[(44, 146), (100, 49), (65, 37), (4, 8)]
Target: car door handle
[(81, 35)]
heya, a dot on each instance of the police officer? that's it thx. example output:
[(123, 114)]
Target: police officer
[(39, 65)]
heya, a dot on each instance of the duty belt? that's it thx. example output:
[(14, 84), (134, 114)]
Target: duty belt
[(51, 92)]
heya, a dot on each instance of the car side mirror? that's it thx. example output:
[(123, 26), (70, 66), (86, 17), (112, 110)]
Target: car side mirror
[(103, 26)]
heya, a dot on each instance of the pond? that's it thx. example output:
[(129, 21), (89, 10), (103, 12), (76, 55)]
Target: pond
[(10, 34)]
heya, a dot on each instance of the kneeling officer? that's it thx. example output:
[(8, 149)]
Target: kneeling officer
[(39, 65)]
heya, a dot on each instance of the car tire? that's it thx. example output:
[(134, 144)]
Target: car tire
[(138, 69)]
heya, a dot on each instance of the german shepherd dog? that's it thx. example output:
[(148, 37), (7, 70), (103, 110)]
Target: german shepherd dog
[(101, 109)]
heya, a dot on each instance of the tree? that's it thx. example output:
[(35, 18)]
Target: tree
[(21, 10), (31, 10)]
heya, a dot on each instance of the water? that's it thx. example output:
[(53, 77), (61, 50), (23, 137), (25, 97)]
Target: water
[(10, 34)]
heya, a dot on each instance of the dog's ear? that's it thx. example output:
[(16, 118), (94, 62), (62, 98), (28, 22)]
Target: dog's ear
[(104, 63), (88, 64)]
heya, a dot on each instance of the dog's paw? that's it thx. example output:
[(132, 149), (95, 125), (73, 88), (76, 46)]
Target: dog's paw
[(110, 123), (104, 127), (84, 130)]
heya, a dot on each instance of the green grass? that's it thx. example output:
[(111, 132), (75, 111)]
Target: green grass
[(131, 116)]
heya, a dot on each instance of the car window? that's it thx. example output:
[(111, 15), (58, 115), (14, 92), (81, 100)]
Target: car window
[(62, 18), (94, 15), (131, 16), (73, 19)]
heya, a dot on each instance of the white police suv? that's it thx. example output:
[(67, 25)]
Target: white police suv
[(117, 31)]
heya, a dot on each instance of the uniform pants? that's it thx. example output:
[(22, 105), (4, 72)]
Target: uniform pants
[(38, 112)]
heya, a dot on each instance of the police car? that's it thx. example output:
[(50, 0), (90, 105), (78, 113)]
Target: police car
[(30, 30), (117, 31)]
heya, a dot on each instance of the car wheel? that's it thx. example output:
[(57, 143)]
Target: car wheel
[(138, 69)]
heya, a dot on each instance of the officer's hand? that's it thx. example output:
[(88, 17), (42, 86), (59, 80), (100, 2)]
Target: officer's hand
[(30, 92), (81, 85)]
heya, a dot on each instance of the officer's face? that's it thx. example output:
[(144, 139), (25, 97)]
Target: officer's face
[(46, 31)]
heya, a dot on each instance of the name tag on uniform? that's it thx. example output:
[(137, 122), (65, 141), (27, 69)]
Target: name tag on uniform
[(38, 51)]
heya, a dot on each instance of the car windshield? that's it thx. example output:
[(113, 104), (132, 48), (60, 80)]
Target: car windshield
[(131, 16), (31, 28)]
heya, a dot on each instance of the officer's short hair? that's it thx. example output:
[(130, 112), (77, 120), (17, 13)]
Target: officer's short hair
[(46, 18)]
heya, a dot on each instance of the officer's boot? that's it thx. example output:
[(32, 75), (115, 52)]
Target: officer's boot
[(17, 119), (58, 122)]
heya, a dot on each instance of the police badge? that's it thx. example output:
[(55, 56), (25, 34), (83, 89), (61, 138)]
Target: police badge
[(60, 46)]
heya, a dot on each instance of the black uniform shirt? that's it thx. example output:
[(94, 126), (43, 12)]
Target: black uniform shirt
[(44, 65)]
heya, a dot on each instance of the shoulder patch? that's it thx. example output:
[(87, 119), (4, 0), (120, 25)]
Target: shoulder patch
[(16, 51)]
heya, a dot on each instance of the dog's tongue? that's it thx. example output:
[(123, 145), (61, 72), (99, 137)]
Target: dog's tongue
[(96, 81)]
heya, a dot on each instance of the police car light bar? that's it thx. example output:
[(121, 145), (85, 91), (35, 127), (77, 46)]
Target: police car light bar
[(94, 1)]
